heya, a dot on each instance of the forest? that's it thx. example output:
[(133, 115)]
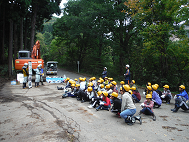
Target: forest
[(149, 35)]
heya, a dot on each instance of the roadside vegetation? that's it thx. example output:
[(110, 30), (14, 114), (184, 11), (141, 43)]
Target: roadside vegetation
[(148, 35)]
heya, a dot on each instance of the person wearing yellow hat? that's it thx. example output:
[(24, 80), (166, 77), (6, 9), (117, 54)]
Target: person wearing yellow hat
[(109, 90), (88, 95), (155, 97), (101, 87), (70, 92), (158, 91), (96, 100), (116, 107), (148, 107), (105, 104), (166, 95), (106, 80), (114, 84), (128, 109), (147, 89), (136, 95), (133, 84), (83, 84), (181, 99), (94, 82), (121, 84)]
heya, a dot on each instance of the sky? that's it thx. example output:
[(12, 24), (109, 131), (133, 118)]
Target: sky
[(61, 6)]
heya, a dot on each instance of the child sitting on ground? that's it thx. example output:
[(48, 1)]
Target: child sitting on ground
[(96, 100), (136, 95), (166, 95), (148, 107), (105, 104), (116, 108)]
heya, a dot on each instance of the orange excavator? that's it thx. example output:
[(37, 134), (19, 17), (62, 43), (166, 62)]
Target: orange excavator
[(24, 57)]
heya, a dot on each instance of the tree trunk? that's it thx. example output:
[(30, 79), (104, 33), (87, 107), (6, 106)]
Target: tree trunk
[(10, 48), (3, 38), (33, 22), (26, 33), (15, 43), (21, 33)]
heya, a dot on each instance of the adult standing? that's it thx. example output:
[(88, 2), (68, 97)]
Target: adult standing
[(127, 74), (25, 73), (104, 73)]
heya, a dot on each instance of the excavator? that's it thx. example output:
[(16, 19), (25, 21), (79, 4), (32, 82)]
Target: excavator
[(24, 57)]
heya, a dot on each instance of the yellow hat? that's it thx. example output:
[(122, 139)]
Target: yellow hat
[(122, 82), (148, 96), (114, 94)]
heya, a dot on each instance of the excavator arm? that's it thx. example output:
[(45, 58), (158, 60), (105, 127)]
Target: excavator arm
[(36, 51)]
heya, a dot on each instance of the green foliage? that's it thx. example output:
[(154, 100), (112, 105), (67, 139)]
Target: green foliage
[(3, 70), (113, 34)]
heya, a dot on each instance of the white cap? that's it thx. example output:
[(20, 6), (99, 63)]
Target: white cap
[(127, 65), (39, 66), (25, 64), (105, 68)]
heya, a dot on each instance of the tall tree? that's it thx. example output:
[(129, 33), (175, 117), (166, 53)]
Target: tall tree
[(44, 9)]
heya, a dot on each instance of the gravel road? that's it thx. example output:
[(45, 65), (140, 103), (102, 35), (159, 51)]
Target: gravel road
[(40, 114)]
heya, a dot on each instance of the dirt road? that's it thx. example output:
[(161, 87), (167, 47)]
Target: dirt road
[(40, 114)]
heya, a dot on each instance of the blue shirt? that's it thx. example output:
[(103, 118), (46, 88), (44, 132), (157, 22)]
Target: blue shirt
[(104, 74), (127, 74), (156, 97), (184, 94)]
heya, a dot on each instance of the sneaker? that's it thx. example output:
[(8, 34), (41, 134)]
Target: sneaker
[(90, 106), (97, 109), (154, 117)]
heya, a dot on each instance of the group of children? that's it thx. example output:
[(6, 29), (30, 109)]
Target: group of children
[(103, 95)]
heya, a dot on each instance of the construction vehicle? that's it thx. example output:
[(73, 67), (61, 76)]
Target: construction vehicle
[(24, 57)]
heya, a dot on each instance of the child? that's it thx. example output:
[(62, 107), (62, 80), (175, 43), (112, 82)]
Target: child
[(106, 81), (87, 96), (158, 91), (155, 97), (82, 84), (148, 107), (105, 104), (122, 83), (96, 99), (146, 90), (136, 95), (109, 90), (101, 87), (94, 82), (76, 80), (166, 95), (116, 108), (181, 99), (133, 84), (114, 86), (70, 93)]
